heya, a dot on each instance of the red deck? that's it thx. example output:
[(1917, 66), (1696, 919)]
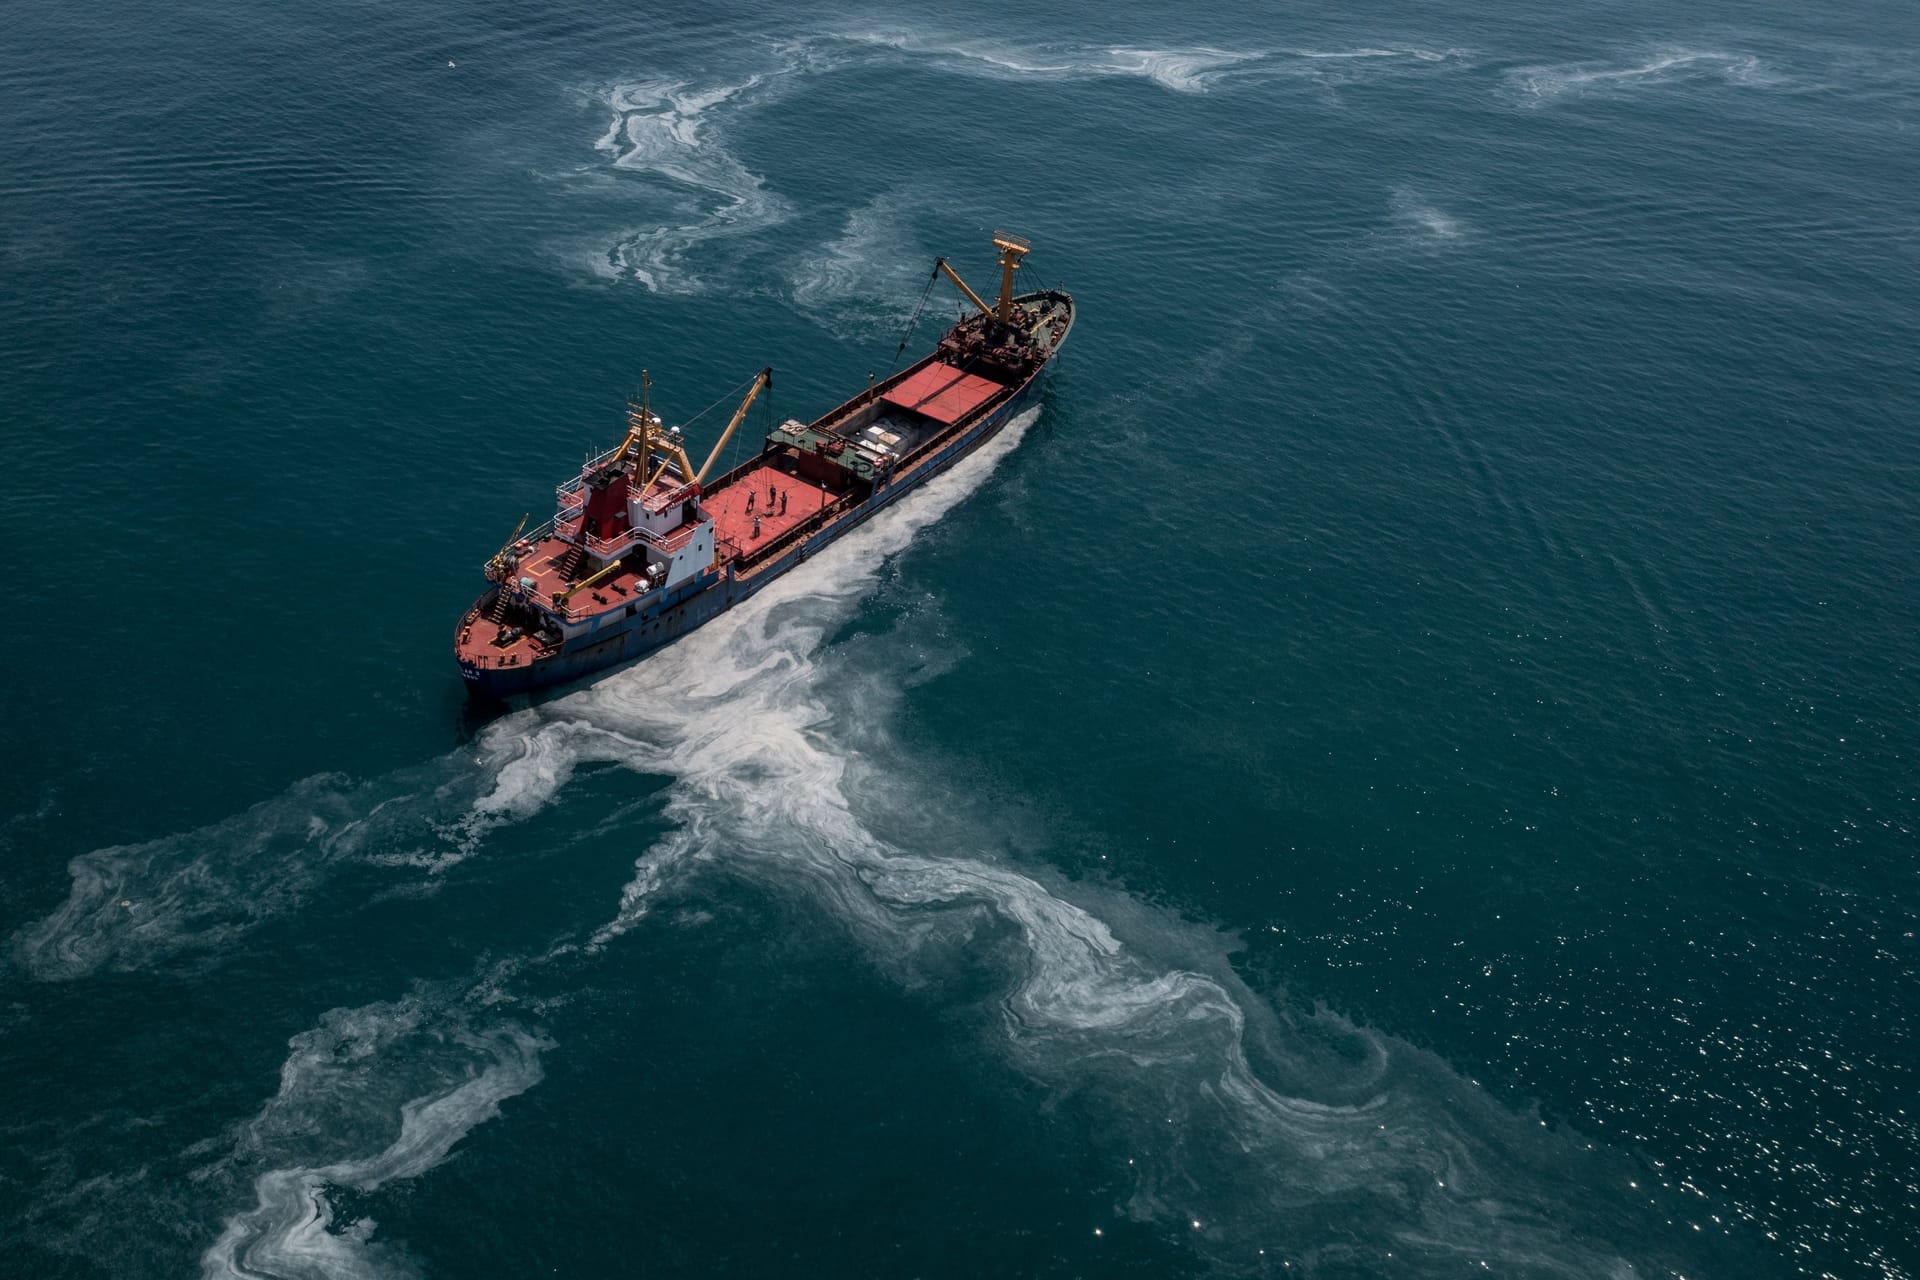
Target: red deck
[(942, 392), (733, 521), (477, 634)]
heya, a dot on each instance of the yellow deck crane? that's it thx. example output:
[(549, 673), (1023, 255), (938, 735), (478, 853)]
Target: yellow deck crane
[(647, 442), (643, 440), (504, 561), (1012, 248), (606, 570), (761, 382)]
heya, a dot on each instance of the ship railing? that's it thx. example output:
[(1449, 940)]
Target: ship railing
[(574, 492), (572, 530), (568, 529), (590, 466), (669, 493), (531, 537), (545, 530), (489, 661), (540, 643), (621, 543)]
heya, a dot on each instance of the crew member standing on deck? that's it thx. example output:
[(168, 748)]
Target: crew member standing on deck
[(750, 496)]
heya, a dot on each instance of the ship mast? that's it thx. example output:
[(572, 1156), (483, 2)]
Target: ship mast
[(644, 443), (639, 426), (1012, 249), (646, 421)]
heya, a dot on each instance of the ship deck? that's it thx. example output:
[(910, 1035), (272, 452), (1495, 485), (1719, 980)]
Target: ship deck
[(733, 523), (734, 534), (542, 564)]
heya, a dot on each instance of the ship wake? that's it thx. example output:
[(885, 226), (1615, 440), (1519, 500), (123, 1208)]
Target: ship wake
[(1259, 1137), (1540, 85), (384, 1092), (1257, 1134), (190, 897), (1189, 70)]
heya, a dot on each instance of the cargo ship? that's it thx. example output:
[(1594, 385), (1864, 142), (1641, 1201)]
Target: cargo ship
[(643, 547)]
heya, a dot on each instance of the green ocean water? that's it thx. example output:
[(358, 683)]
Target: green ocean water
[(1404, 765)]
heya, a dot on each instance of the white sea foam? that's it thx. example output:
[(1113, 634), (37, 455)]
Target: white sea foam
[(371, 1095), (197, 893), (1422, 55), (745, 719), (659, 128), (1424, 220), (674, 131), (200, 892), (866, 280), (1187, 70), (1544, 84), (1113, 1002), (421, 1064), (1181, 70)]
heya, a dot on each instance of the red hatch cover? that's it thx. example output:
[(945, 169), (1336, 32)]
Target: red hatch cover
[(942, 392)]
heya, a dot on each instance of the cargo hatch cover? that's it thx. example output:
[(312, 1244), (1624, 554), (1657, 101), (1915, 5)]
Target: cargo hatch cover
[(942, 392)]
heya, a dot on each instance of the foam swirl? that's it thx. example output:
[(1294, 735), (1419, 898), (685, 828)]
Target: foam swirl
[(413, 1070), (659, 128)]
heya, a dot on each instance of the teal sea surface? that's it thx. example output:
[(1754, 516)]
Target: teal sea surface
[(1403, 765)]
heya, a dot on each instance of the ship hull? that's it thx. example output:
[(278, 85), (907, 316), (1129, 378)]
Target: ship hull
[(626, 639)]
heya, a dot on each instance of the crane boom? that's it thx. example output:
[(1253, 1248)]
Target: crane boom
[(605, 570), (761, 381), (960, 284), (1012, 248), (498, 564)]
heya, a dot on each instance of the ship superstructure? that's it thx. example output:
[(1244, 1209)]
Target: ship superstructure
[(643, 547)]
